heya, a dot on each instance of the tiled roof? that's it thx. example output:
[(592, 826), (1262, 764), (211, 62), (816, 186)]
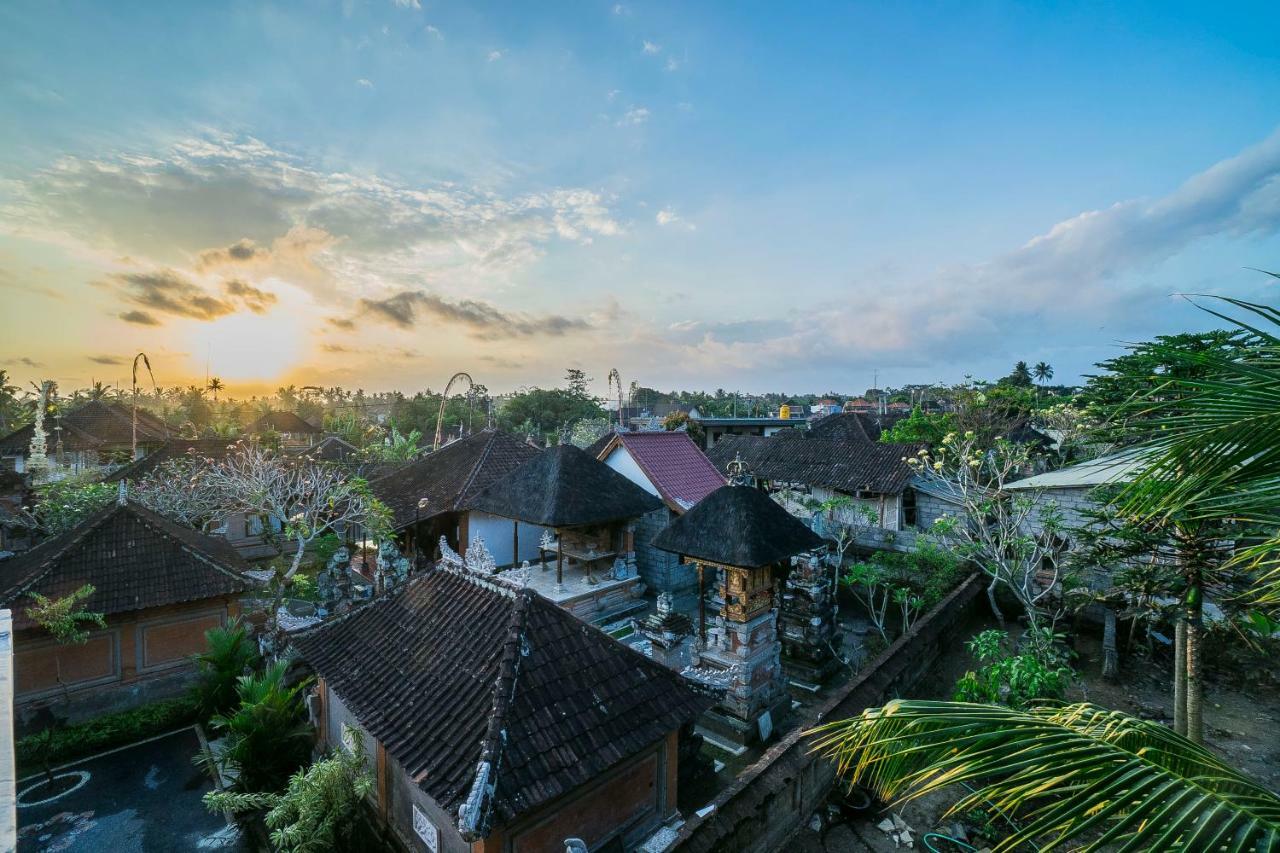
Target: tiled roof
[(134, 558), (331, 448), (682, 474), (207, 448), (452, 476), (853, 426), (289, 422), (565, 487), (93, 426), (738, 526), (849, 466), (451, 671)]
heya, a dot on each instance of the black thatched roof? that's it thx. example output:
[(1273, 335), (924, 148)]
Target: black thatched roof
[(565, 487), (737, 526), (848, 466), (451, 671)]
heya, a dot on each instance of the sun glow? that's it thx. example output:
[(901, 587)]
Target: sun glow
[(244, 347)]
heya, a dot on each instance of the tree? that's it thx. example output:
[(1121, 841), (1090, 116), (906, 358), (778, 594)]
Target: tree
[(1011, 536), (215, 385), (13, 413), (576, 381), (546, 412), (1020, 377), (919, 427), (1077, 777), (321, 807), (681, 421), (267, 733), (63, 504), (1043, 372), (396, 447), (1007, 676), (229, 654)]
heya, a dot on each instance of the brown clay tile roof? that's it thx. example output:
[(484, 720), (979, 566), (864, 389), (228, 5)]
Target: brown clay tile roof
[(96, 425), (452, 476), (738, 526), (134, 558), (452, 670), (848, 466), (204, 448), (565, 487), (678, 469), (289, 422)]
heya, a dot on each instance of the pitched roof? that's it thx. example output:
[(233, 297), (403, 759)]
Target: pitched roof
[(565, 487), (208, 448), (331, 448), (853, 426), (289, 422), (134, 558), (451, 477), (1118, 467), (849, 466), (96, 424), (678, 469), (451, 671), (738, 526)]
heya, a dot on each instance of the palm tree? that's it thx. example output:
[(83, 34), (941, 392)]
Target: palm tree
[(1043, 371), (215, 385), (1078, 776)]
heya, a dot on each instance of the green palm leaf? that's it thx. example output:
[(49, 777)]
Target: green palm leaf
[(1079, 774)]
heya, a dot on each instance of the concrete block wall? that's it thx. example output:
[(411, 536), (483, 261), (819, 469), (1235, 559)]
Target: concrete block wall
[(660, 570)]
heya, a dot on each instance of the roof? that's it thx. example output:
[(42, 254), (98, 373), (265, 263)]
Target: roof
[(452, 671), (738, 526), (749, 421), (565, 487), (331, 448), (852, 426), (451, 477), (95, 425), (209, 448), (848, 466), (135, 559), (289, 422), (1114, 468), (677, 468)]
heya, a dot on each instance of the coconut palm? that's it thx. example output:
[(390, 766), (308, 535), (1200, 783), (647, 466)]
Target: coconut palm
[(1043, 372), (1212, 438), (215, 385), (1073, 777)]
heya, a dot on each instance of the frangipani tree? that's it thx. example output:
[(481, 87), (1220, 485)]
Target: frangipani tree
[(1011, 536)]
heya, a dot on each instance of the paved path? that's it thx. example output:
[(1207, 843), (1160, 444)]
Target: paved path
[(141, 799)]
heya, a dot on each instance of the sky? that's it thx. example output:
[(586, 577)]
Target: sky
[(750, 196)]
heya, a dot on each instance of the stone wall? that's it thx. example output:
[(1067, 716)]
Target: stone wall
[(660, 570), (774, 796)]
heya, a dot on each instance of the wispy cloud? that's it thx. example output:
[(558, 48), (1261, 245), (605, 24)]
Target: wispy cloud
[(650, 48), (494, 55), (432, 30), (673, 64), (139, 318), (107, 359), (480, 320), (668, 216), (633, 117), (168, 291), (364, 83), (408, 4)]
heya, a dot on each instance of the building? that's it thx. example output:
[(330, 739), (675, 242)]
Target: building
[(669, 466), (433, 497), (588, 513), (853, 426), (745, 536), (293, 431), (1069, 488), (95, 437), (715, 429), (160, 587), (495, 721), (825, 406), (807, 470)]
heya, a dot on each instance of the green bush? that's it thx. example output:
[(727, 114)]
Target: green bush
[(105, 732), (230, 652), (1012, 677)]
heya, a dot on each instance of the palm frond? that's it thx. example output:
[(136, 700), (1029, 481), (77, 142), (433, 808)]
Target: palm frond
[(1079, 773)]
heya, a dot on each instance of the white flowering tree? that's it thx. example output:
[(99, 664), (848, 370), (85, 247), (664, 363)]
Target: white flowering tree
[(1012, 536), (182, 489)]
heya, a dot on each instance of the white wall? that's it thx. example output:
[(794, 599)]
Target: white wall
[(622, 461), (8, 769), (496, 532)]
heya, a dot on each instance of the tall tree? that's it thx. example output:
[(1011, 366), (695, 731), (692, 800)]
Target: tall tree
[(577, 381), (215, 385), (1043, 371)]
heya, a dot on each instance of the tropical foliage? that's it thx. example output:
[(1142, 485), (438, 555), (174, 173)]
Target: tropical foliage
[(229, 654), (1017, 678), (65, 618), (63, 504), (266, 734), (1075, 777), (320, 808)]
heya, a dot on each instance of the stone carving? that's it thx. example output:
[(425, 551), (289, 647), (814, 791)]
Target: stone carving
[(333, 585), (392, 566), (809, 631)]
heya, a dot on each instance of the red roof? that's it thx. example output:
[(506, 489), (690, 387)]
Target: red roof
[(682, 474)]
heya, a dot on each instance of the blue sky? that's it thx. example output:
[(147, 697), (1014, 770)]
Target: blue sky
[(751, 196)]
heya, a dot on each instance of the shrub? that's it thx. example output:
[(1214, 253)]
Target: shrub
[(111, 730), (267, 733), (229, 653), (1011, 677)]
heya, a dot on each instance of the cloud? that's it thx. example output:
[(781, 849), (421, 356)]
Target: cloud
[(433, 31), (107, 359), (241, 251), (479, 319), (256, 300), (28, 362), (612, 95), (141, 318), (364, 82), (673, 64), (337, 348), (619, 9), (493, 56), (633, 117), (343, 323), (408, 4), (650, 48)]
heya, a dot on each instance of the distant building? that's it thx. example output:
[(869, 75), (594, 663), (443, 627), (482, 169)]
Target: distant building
[(825, 406), (495, 721), (160, 586), (293, 430), (96, 437), (715, 429)]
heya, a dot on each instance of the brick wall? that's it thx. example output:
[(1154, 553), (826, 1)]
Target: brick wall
[(774, 796)]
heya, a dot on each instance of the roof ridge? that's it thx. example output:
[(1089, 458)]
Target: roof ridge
[(481, 458), (45, 561), (158, 522), (473, 814)]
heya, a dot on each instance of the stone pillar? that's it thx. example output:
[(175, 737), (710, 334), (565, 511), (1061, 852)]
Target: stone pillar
[(809, 632)]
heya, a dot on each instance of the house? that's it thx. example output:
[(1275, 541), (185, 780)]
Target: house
[(715, 429), (495, 721), (808, 470), (853, 426), (333, 449), (861, 404), (588, 513), (432, 497), (95, 437), (671, 467), (825, 406), (17, 525), (748, 539), (293, 430), (1068, 489), (160, 587)]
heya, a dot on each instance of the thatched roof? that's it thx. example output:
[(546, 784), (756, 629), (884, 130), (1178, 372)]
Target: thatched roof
[(737, 526), (565, 487)]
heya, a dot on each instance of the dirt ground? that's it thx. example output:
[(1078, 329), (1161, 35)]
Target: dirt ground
[(1241, 727)]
